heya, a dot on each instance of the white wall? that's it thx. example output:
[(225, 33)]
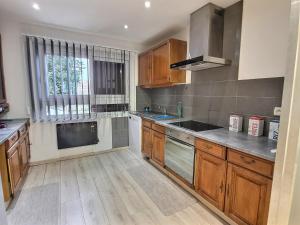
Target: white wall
[(43, 135)]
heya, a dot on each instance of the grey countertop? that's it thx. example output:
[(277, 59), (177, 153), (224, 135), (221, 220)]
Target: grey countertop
[(12, 127), (257, 146)]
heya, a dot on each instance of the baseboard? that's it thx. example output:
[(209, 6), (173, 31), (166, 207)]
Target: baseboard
[(63, 158)]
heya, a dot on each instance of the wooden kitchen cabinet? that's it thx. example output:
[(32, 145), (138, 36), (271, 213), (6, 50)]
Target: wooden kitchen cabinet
[(14, 167), (145, 68), (24, 159), (158, 145), (154, 65), (210, 178), (147, 141), (247, 196), (161, 65), (4, 174)]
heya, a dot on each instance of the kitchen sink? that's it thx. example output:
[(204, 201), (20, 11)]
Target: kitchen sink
[(156, 116), (164, 117)]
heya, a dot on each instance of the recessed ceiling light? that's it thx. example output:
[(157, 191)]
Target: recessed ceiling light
[(126, 26), (36, 6), (147, 4)]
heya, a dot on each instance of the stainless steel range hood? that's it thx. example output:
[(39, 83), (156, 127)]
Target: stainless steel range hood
[(206, 40)]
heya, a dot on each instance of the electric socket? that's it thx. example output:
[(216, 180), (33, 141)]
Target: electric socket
[(277, 111)]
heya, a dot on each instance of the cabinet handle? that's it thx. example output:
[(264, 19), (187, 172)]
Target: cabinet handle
[(247, 161)]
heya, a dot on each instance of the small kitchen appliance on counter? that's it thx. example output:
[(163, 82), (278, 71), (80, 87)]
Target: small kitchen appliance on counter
[(274, 130), (235, 123), (256, 126)]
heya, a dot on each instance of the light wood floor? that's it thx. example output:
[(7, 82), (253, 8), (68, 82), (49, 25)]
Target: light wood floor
[(98, 190)]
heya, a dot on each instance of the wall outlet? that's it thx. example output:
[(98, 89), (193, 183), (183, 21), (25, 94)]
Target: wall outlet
[(277, 111)]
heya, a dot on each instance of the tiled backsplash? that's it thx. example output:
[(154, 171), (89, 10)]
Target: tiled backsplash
[(216, 93)]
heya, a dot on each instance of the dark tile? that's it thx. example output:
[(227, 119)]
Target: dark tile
[(186, 100), (232, 32), (227, 104), (202, 89), (163, 91), (256, 106), (219, 118), (225, 88), (185, 89), (272, 87), (164, 99), (187, 111), (200, 114)]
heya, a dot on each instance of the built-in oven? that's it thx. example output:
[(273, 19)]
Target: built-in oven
[(180, 154)]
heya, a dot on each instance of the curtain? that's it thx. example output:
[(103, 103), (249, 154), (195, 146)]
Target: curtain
[(73, 81)]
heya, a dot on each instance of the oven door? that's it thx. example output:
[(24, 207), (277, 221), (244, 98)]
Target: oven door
[(179, 158)]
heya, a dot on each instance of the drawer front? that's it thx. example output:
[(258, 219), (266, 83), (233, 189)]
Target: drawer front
[(12, 140), (22, 130), (258, 165), (158, 128), (147, 123), (211, 148)]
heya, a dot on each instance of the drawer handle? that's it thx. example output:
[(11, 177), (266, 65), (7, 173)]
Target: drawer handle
[(247, 161)]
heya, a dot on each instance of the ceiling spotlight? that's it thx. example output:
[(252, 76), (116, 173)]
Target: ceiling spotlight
[(36, 6), (126, 26), (147, 4)]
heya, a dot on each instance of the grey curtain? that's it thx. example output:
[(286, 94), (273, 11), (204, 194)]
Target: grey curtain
[(73, 81)]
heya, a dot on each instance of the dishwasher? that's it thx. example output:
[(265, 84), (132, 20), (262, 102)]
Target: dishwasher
[(135, 134), (180, 154)]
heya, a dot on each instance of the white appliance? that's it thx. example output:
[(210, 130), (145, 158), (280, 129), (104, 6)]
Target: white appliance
[(135, 134)]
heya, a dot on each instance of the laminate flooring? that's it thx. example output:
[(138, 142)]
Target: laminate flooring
[(104, 190)]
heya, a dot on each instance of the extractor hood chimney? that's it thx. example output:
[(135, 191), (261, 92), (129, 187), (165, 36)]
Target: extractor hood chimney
[(206, 40)]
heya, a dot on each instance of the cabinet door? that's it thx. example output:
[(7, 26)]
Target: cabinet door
[(147, 141), (264, 39), (210, 178), (145, 68), (248, 196), (161, 65), (23, 155), (14, 166), (28, 146), (158, 145)]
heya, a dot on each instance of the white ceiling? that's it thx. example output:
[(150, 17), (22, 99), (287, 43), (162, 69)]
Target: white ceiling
[(107, 17)]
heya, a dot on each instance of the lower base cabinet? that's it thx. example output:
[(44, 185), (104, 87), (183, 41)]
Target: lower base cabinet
[(14, 166), (210, 178), (24, 159), (153, 142), (14, 162), (147, 141), (248, 196), (158, 144)]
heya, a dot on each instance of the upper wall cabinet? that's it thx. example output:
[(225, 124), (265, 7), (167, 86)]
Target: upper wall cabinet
[(154, 65), (264, 41)]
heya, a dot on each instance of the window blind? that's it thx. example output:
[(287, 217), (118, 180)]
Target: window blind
[(74, 81)]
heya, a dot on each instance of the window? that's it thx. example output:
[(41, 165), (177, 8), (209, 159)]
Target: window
[(75, 81), (109, 78)]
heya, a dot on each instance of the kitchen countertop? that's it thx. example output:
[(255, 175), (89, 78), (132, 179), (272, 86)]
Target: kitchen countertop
[(256, 146), (12, 127)]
